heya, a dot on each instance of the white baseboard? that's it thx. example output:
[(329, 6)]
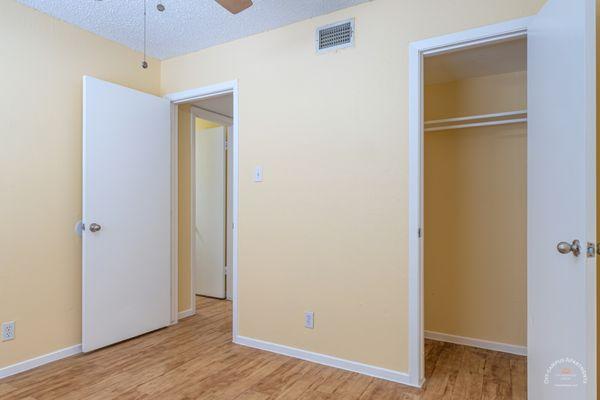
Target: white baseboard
[(186, 313), (39, 361), (482, 344), (353, 366)]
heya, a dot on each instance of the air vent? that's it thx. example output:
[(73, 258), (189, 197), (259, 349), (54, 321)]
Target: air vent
[(335, 36)]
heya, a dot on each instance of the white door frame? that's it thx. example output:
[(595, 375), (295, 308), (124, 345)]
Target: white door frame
[(188, 96), (418, 51)]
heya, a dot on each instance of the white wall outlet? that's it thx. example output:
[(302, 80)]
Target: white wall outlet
[(8, 330), (258, 174), (309, 320)]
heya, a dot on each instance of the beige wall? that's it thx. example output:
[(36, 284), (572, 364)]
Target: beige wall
[(42, 64), (476, 213), (327, 229)]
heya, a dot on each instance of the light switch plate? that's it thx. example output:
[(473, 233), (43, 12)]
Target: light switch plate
[(258, 174)]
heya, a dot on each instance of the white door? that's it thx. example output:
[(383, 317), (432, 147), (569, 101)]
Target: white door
[(562, 201), (126, 212), (209, 240)]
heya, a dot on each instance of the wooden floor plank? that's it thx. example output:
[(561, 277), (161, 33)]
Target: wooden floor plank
[(196, 359)]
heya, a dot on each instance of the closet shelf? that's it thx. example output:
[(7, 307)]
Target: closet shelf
[(504, 118)]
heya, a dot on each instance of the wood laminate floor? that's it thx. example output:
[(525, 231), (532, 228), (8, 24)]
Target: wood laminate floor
[(195, 359)]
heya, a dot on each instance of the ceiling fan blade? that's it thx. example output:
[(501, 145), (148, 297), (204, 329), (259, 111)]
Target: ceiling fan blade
[(235, 6)]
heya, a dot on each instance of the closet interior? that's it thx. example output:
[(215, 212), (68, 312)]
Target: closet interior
[(475, 204)]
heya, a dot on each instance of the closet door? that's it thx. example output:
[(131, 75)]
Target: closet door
[(562, 202), (209, 251)]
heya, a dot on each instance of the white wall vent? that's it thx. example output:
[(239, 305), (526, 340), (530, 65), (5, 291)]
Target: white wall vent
[(335, 36)]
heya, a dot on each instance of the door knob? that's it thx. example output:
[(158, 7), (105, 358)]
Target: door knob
[(95, 227), (566, 248)]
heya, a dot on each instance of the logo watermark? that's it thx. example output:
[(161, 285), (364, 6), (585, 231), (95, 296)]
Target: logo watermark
[(565, 372)]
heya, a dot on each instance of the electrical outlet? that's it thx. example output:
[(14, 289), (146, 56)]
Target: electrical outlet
[(309, 320), (8, 330)]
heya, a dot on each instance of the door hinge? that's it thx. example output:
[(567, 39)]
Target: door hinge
[(419, 232), (226, 271)]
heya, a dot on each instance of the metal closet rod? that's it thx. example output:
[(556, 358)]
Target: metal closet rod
[(477, 117)]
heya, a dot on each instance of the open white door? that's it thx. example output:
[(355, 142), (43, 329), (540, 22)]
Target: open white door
[(126, 212), (209, 240), (562, 201)]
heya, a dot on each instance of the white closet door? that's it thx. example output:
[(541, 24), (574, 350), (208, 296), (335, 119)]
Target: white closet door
[(127, 213), (209, 254), (562, 201)]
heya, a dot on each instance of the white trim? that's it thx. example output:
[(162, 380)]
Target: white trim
[(417, 51), (473, 37), (39, 361), (476, 124), (211, 116), (187, 313), (353, 366), (478, 117), (192, 183), (174, 213), (479, 343), (188, 96)]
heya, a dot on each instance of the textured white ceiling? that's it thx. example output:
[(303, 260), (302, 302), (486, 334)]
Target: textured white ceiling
[(186, 25)]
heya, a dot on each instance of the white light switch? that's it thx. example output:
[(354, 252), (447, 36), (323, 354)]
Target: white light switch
[(258, 174)]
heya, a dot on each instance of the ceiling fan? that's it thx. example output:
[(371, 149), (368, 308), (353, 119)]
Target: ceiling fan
[(235, 6)]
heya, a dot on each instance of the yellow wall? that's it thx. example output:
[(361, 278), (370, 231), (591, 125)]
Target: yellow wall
[(42, 64), (327, 229), (202, 124), (185, 220), (476, 213)]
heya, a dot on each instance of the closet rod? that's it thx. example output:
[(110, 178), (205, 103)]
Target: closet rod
[(474, 117), (476, 124)]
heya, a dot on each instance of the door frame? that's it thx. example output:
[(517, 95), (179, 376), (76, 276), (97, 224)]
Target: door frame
[(198, 112), (417, 52), (188, 96)]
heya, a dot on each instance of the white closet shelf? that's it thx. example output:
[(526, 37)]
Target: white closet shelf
[(504, 118)]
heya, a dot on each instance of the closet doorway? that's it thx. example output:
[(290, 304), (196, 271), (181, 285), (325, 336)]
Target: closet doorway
[(475, 207), (468, 128)]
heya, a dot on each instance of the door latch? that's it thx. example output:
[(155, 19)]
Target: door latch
[(591, 250)]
